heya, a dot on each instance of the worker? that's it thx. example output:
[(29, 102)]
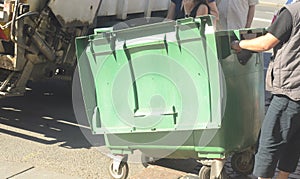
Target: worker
[(235, 14), (191, 8), (279, 144)]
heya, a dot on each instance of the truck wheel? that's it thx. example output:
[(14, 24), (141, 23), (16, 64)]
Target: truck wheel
[(122, 172), (242, 166)]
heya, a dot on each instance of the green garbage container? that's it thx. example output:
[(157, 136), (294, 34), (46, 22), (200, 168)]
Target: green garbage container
[(173, 90)]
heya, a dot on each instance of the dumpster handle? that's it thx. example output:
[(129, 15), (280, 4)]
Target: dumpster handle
[(135, 91), (143, 113), (157, 112), (158, 46)]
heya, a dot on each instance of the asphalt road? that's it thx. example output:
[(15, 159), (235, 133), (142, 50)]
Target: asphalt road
[(40, 129), (264, 13)]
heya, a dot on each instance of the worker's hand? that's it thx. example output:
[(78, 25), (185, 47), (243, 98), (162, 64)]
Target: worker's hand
[(235, 46)]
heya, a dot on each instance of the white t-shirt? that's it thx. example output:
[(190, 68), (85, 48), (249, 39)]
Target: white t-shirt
[(233, 13)]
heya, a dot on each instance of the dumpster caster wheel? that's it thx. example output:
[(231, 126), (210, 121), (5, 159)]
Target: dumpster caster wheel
[(242, 165), (122, 172), (204, 173)]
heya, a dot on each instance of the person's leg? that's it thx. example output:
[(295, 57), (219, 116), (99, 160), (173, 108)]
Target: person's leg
[(291, 134), (270, 142), (289, 159)]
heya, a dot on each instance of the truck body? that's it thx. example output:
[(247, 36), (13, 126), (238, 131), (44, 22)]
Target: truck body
[(37, 37)]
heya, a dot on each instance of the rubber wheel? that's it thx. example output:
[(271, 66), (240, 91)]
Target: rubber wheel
[(122, 172), (204, 173), (241, 167)]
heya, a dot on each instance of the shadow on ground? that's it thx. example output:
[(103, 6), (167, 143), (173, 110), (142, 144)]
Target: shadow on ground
[(45, 115)]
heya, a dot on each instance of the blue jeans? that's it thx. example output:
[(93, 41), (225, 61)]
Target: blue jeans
[(279, 141)]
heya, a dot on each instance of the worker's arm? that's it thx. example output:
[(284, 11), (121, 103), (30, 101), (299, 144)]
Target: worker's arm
[(171, 11), (259, 44), (279, 31), (213, 9), (250, 16)]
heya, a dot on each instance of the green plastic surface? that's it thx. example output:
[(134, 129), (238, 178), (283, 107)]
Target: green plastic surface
[(172, 86)]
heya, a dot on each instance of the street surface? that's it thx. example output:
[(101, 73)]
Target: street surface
[(40, 130), (264, 13), (40, 134)]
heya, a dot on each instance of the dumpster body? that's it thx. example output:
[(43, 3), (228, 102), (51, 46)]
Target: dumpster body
[(172, 90)]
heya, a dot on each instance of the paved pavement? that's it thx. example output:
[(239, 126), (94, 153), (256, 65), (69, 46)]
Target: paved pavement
[(277, 3), (16, 170)]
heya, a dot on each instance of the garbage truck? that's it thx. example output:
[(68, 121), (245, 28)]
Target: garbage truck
[(38, 36)]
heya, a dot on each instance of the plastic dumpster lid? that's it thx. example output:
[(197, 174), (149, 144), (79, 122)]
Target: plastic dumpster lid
[(195, 57)]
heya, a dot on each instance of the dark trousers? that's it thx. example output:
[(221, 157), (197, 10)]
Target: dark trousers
[(279, 142)]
